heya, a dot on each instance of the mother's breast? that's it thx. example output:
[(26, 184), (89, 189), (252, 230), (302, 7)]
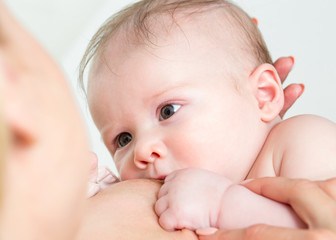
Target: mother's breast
[(126, 211)]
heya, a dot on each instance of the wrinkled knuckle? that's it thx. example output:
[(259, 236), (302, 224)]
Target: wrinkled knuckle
[(304, 183), (301, 186), (331, 181)]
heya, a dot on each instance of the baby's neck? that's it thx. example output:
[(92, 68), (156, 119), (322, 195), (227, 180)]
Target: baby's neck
[(276, 121)]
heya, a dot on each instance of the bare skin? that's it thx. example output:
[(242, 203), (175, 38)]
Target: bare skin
[(129, 205), (39, 140), (125, 211), (314, 202), (46, 166)]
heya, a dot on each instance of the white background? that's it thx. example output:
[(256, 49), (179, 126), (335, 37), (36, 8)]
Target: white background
[(305, 29)]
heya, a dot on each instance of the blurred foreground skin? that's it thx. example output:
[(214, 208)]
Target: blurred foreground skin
[(3, 144), (46, 166)]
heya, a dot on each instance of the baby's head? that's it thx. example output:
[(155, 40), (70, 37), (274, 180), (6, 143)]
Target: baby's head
[(176, 84)]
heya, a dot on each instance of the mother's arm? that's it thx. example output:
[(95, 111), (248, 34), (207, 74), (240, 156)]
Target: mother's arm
[(125, 211)]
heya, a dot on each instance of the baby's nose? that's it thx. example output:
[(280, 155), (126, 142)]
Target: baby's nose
[(142, 163), (148, 152)]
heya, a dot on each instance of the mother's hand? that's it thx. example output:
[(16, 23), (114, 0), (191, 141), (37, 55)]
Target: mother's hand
[(293, 91), (314, 202)]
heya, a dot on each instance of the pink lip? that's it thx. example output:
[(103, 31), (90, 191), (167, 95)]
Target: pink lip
[(161, 178)]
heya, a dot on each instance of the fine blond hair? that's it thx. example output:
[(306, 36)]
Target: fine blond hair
[(137, 18)]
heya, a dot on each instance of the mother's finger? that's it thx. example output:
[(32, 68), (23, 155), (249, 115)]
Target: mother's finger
[(283, 66), (291, 93), (312, 204), (329, 187), (264, 232)]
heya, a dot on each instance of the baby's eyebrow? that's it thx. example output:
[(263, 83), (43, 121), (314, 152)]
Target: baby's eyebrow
[(107, 131), (170, 89)]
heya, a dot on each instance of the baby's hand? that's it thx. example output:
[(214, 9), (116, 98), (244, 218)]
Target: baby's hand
[(99, 178), (190, 198)]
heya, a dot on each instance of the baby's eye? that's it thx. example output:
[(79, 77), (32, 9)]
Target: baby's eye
[(168, 110), (123, 139)]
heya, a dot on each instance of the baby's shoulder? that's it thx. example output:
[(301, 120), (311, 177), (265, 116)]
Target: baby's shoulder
[(306, 122), (301, 126), (305, 146)]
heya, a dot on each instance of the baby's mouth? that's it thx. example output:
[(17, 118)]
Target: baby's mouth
[(161, 178)]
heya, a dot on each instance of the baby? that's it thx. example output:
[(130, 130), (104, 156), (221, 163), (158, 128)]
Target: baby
[(185, 91)]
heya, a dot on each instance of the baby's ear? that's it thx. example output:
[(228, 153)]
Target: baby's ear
[(268, 91)]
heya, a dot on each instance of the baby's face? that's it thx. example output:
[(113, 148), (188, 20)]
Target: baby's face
[(173, 106)]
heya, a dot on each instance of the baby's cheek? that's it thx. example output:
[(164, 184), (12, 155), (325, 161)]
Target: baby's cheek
[(187, 153), (125, 175), (125, 172)]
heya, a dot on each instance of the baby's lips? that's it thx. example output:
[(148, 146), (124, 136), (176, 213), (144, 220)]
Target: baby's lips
[(162, 178)]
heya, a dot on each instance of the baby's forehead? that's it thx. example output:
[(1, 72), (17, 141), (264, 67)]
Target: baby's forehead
[(208, 26), (160, 30), (182, 23), (199, 32), (155, 23)]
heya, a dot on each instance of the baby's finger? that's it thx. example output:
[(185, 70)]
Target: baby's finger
[(170, 177), (161, 205), (163, 190), (168, 221)]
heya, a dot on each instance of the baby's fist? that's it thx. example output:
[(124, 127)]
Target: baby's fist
[(190, 198)]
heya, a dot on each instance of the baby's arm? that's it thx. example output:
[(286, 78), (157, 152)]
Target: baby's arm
[(241, 208), (196, 198)]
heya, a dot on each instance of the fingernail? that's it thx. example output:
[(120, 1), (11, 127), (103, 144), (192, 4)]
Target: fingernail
[(293, 59), (255, 20), (246, 181), (206, 231), (303, 86)]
